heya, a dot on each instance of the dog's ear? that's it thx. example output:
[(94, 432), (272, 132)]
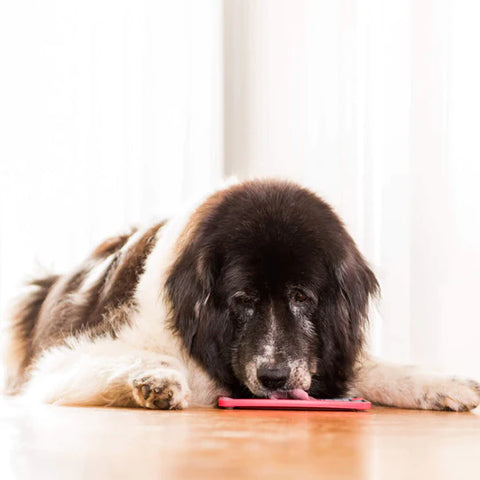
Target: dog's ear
[(356, 285), (344, 314), (198, 315), (189, 287)]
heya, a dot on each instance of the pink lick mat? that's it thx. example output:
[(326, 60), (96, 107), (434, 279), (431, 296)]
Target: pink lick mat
[(288, 403)]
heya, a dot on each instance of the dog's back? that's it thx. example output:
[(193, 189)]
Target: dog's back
[(92, 299)]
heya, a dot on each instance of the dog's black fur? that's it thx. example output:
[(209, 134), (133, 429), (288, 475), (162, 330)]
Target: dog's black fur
[(272, 248)]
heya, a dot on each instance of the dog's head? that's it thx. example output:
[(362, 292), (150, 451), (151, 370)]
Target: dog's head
[(270, 292)]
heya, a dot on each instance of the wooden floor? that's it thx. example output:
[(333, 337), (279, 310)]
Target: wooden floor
[(46, 442)]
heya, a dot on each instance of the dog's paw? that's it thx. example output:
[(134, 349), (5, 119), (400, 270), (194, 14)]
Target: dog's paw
[(161, 390), (452, 394)]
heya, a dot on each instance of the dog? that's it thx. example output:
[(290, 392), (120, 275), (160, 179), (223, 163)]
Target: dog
[(257, 291)]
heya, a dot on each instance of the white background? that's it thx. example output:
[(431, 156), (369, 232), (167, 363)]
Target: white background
[(113, 112)]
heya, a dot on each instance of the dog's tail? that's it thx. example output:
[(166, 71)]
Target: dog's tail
[(17, 336)]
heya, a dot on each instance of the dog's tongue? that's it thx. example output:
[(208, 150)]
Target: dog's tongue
[(296, 393)]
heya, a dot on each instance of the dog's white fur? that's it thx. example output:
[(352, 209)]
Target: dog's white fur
[(405, 386)]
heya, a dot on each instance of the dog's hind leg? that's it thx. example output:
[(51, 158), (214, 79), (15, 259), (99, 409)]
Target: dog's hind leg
[(107, 372), (409, 387)]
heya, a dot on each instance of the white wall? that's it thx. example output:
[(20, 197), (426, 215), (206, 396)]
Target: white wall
[(110, 115), (374, 104)]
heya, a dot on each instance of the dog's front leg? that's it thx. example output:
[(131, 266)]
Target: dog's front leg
[(107, 372), (410, 387)]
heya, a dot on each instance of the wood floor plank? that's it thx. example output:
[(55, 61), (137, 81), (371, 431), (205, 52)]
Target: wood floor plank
[(48, 442)]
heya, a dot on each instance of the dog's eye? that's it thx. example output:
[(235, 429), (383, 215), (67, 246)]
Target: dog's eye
[(299, 297), (244, 300)]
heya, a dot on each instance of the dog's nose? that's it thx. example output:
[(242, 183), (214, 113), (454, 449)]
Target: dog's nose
[(273, 376)]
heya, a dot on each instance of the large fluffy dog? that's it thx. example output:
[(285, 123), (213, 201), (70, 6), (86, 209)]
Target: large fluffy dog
[(259, 290)]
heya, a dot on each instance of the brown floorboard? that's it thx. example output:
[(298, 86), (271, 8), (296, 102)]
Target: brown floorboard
[(48, 442)]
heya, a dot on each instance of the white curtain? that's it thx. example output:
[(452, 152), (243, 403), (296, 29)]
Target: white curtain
[(374, 104), (110, 115)]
